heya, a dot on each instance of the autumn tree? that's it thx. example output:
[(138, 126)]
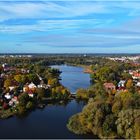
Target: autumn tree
[(129, 84), (7, 83)]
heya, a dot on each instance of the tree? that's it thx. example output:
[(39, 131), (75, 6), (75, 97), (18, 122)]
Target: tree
[(41, 93), (53, 82), (109, 127), (33, 78), (21, 109), (30, 105), (81, 94), (75, 125), (18, 78), (60, 92), (127, 123), (117, 106), (23, 99), (7, 83), (129, 84)]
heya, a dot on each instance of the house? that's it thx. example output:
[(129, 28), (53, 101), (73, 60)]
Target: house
[(12, 88), (4, 65), (43, 86), (29, 87), (5, 105), (2, 75), (8, 96), (13, 101), (109, 86), (26, 88), (136, 76), (138, 84), (121, 83), (32, 86), (130, 72), (31, 95)]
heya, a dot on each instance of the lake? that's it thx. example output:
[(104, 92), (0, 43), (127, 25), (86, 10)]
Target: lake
[(51, 121), (73, 77)]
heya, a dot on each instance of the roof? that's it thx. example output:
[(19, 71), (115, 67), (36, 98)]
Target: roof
[(32, 85), (109, 85), (136, 74)]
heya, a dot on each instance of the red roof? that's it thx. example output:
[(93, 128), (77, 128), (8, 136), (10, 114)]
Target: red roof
[(109, 85), (136, 74)]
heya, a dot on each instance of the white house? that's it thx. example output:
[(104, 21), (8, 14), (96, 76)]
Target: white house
[(31, 95), (121, 83), (32, 86), (11, 88), (13, 101), (43, 86), (138, 84), (7, 96)]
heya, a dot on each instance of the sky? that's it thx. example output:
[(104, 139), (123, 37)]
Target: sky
[(69, 26)]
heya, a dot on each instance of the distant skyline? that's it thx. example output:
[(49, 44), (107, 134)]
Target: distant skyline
[(66, 26)]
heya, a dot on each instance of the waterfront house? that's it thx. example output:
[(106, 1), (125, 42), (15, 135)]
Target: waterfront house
[(109, 86)]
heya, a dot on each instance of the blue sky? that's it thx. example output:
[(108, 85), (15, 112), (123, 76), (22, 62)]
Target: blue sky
[(67, 26)]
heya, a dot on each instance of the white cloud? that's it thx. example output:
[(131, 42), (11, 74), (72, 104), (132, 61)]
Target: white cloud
[(65, 9), (51, 25), (48, 9)]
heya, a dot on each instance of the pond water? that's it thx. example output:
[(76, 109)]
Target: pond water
[(51, 121)]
